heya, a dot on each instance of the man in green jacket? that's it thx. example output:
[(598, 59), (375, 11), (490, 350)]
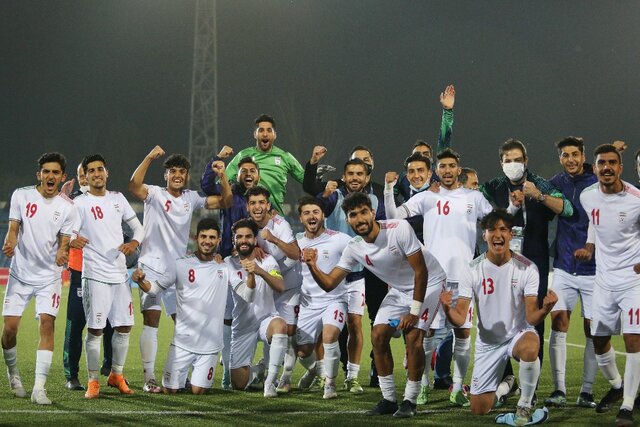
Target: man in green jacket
[(275, 163)]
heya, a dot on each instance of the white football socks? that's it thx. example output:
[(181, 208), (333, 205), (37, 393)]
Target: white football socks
[(428, 347), (331, 359), (352, 371), (92, 353), (43, 363), (388, 387), (631, 380), (607, 364), (461, 359), (276, 355), (411, 391), (120, 344), (11, 360), (148, 351), (590, 367), (529, 374), (558, 359)]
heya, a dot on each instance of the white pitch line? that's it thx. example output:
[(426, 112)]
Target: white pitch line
[(205, 413), (570, 344)]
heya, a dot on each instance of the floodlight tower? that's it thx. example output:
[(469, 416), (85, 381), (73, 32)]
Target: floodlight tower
[(203, 131)]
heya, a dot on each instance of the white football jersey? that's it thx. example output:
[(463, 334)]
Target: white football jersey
[(615, 220), (330, 245), (498, 293), (450, 224), (290, 269), (387, 256), (99, 219), (41, 220), (201, 296), (167, 221), (263, 306)]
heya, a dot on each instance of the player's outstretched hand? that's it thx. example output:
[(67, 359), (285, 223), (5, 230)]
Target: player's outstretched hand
[(155, 153), (79, 242), (259, 253), (583, 254), (549, 300), (391, 177), (250, 266), (67, 187), (408, 321), (309, 256), (620, 145), (129, 248), (218, 258), (330, 188), (267, 235), (434, 187), (225, 152), (446, 299), (517, 198), (318, 153), (448, 97)]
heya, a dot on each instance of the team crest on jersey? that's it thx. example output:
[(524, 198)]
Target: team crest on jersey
[(514, 282), (116, 206), (186, 207), (325, 254), (469, 208), (277, 160), (220, 274), (56, 216), (622, 216)]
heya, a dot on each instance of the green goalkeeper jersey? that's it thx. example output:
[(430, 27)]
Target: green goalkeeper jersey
[(275, 165)]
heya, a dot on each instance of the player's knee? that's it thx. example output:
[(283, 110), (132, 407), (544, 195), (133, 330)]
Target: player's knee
[(198, 390), (478, 408), (560, 321), (354, 322), (151, 318), (378, 338), (278, 326), (169, 390), (123, 329)]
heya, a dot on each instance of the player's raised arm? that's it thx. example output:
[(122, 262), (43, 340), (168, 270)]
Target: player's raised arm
[(272, 278), (326, 281), (225, 199), (136, 183), (291, 249), (536, 315), (11, 239), (456, 315)]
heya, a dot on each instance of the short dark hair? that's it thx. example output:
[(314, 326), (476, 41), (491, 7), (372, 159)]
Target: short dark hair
[(265, 118), (308, 200), (360, 162), (92, 158), (257, 191), (606, 148), (464, 175), (248, 159), (246, 223), (570, 141), (417, 157), (448, 153), (207, 224), (177, 160), (422, 143), (359, 148), (511, 144), (53, 157), (353, 200), (491, 219)]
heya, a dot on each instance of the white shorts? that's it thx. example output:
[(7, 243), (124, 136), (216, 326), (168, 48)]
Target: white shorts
[(489, 363), (610, 309), (17, 295), (244, 342), (396, 304), (104, 301), (355, 297), (177, 367), (568, 288), (168, 296), (287, 305), (311, 321), (440, 320)]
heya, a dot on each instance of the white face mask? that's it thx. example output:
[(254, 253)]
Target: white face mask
[(514, 171), (417, 190), (84, 188)]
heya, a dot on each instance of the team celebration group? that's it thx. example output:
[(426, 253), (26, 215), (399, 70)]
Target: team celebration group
[(407, 249)]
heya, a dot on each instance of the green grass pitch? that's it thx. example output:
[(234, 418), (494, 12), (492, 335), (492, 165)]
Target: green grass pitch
[(220, 407)]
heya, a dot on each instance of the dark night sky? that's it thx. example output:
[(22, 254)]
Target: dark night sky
[(115, 76)]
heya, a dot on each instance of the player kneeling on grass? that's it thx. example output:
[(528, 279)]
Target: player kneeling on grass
[(201, 288), (320, 312), (256, 319), (504, 287)]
